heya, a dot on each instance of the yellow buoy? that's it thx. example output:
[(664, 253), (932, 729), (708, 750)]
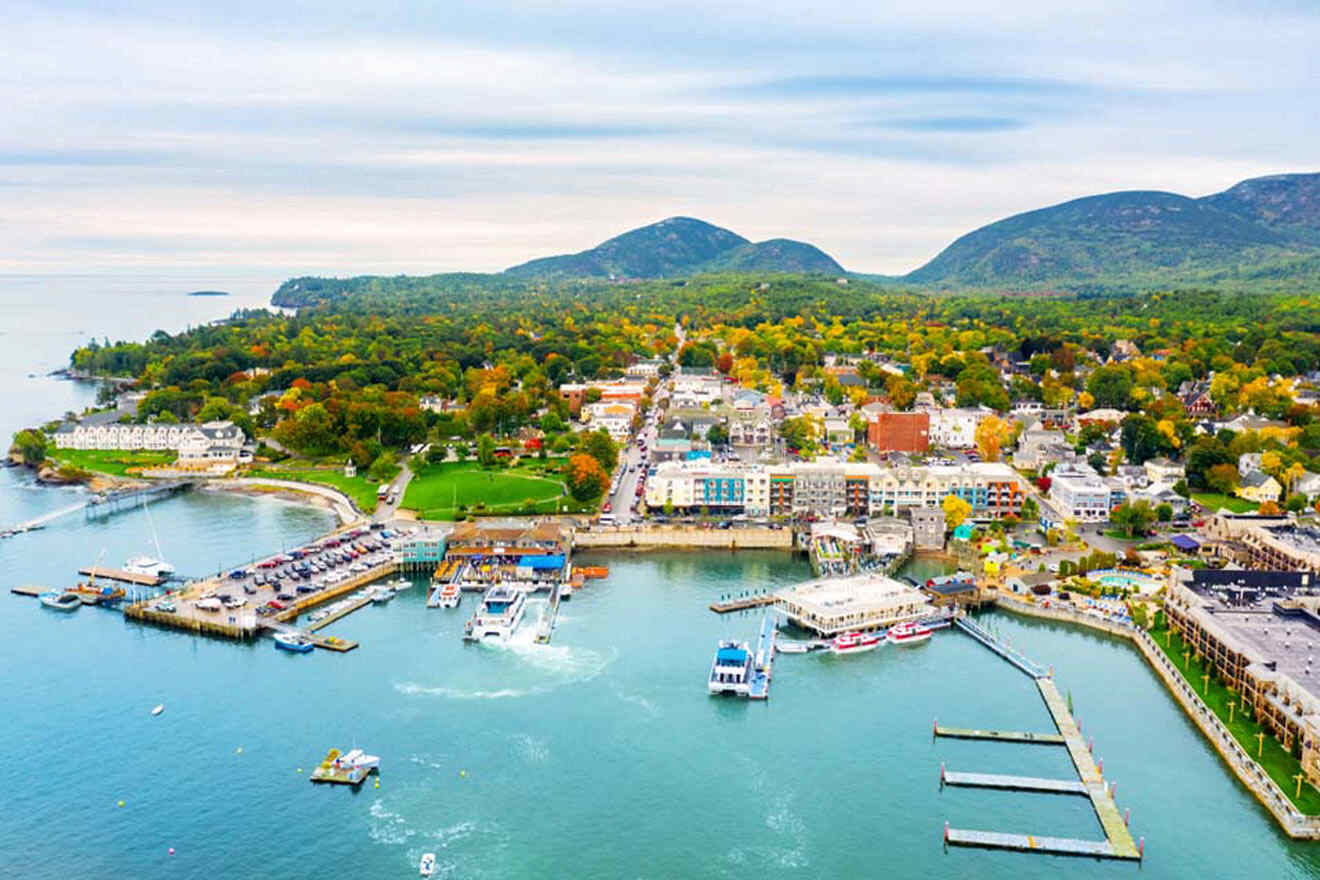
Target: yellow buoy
[(238, 751), (119, 804), (378, 785), (462, 773)]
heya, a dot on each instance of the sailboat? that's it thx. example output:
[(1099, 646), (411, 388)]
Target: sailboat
[(149, 565)]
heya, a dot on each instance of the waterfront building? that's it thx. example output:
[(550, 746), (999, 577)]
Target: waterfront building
[(424, 549), (927, 527), (212, 442), (1286, 547), (833, 606), (1263, 650)]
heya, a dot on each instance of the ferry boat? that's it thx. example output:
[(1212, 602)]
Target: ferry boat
[(731, 670), (855, 643), (149, 566), (295, 642), (909, 633), (60, 601), (450, 596), (427, 866), (500, 613)]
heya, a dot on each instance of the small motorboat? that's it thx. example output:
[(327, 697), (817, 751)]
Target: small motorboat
[(356, 759), (787, 646), (855, 643), (61, 601), (909, 633), (294, 642), (380, 595), (158, 709), (400, 585), (427, 866)]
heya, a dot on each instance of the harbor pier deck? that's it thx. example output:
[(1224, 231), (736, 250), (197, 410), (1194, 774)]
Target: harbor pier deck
[(1013, 736), (546, 625), (1012, 783), (348, 609), (126, 577), (28, 590), (742, 604), (1035, 670), (1063, 846)]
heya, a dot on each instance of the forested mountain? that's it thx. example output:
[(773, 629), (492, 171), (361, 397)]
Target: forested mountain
[(1265, 229), (679, 246)]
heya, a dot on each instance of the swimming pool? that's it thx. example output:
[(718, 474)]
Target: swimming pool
[(1127, 580)]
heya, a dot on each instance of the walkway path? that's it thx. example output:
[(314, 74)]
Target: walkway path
[(343, 505)]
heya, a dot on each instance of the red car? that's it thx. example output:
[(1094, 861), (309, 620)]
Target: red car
[(607, 507)]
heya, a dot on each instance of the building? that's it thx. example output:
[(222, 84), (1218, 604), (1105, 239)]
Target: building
[(1161, 470), (1078, 493), (1283, 547), (751, 430), (576, 392), (1259, 487), (209, 443), (646, 369), (833, 606), (1038, 446), (1260, 641), (702, 486), (927, 527), (615, 416), (954, 428), (421, 550), (899, 432)]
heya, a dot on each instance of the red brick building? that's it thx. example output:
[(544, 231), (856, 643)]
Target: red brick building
[(899, 432)]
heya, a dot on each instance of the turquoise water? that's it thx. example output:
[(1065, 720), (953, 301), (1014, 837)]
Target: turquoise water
[(599, 755)]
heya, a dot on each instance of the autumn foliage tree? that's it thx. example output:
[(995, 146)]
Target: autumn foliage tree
[(586, 478)]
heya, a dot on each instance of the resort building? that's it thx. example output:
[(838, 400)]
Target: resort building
[(209, 443), (1282, 547), (1078, 493), (1260, 641), (833, 606)]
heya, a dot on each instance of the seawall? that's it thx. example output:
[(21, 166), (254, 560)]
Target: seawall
[(684, 537)]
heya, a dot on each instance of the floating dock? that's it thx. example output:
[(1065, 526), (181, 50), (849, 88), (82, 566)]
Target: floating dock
[(1063, 846), (353, 605), (1013, 656), (545, 626), (1011, 783), (331, 773), (29, 590), (1012, 736), (124, 577), (742, 604)]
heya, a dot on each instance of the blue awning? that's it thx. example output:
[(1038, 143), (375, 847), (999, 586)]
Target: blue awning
[(552, 561), (1184, 542), (731, 656)]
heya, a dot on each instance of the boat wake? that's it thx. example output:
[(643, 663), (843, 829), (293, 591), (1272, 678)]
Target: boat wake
[(638, 700), (410, 689), (388, 827), (530, 749)]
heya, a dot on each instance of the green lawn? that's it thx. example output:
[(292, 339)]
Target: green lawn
[(1213, 501), (1276, 761), (438, 491), (111, 461), (360, 488)]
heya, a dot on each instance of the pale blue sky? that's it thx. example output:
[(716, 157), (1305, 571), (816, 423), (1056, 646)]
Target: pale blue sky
[(381, 137)]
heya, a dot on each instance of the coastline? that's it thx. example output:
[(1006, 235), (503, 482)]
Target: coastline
[(1293, 823), (319, 497)]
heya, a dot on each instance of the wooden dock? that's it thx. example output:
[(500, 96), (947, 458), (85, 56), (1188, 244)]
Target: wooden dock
[(1012, 783), (1102, 799), (125, 577), (742, 604), (29, 590), (332, 643), (1065, 846), (1012, 736), (348, 609)]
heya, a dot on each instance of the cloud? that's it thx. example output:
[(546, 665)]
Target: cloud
[(341, 136)]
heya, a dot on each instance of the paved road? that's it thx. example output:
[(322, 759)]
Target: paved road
[(384, 510)]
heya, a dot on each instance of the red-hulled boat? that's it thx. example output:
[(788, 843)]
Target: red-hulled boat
[(908, 633), (855, 643)]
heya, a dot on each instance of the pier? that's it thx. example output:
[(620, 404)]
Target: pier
[(348, 609), (742, 604), (125, 577), (1012, 655), (120, 500), (1011, 736), (763, 661), (1011, 783), (1118, 842), (545, 626)]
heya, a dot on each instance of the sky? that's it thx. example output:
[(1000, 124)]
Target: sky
[(347, 138)]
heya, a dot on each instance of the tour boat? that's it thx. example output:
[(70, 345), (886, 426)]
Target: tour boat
[(427, 866), (295, 642), (855, 643), (148, 566), (60, 601), (450, 596), (500, 613), (909, 633), (731, 670)]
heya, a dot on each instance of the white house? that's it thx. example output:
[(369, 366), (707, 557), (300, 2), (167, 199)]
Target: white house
[(212, 442)]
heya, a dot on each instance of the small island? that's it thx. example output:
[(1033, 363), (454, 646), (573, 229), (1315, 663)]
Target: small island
[(209, 293)]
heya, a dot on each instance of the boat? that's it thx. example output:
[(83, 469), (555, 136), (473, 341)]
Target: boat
[(158, 709), (149, 566), (731, 670), (317, 615), (295, 642), (427, 866), (400, 585), (450, 595), (791, 647), (855, 643), (909, 633), (380, 595), (498, 616), (356, 759), (60, 601)]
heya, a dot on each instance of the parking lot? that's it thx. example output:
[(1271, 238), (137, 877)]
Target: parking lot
[(255, 593)]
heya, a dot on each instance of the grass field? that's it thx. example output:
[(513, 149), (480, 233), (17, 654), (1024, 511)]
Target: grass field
[(115, 462), (361, 489), (439, 491), (1276, 761), (1213, 501)]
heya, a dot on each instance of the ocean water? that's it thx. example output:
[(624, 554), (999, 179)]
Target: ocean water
[(599, 755)]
